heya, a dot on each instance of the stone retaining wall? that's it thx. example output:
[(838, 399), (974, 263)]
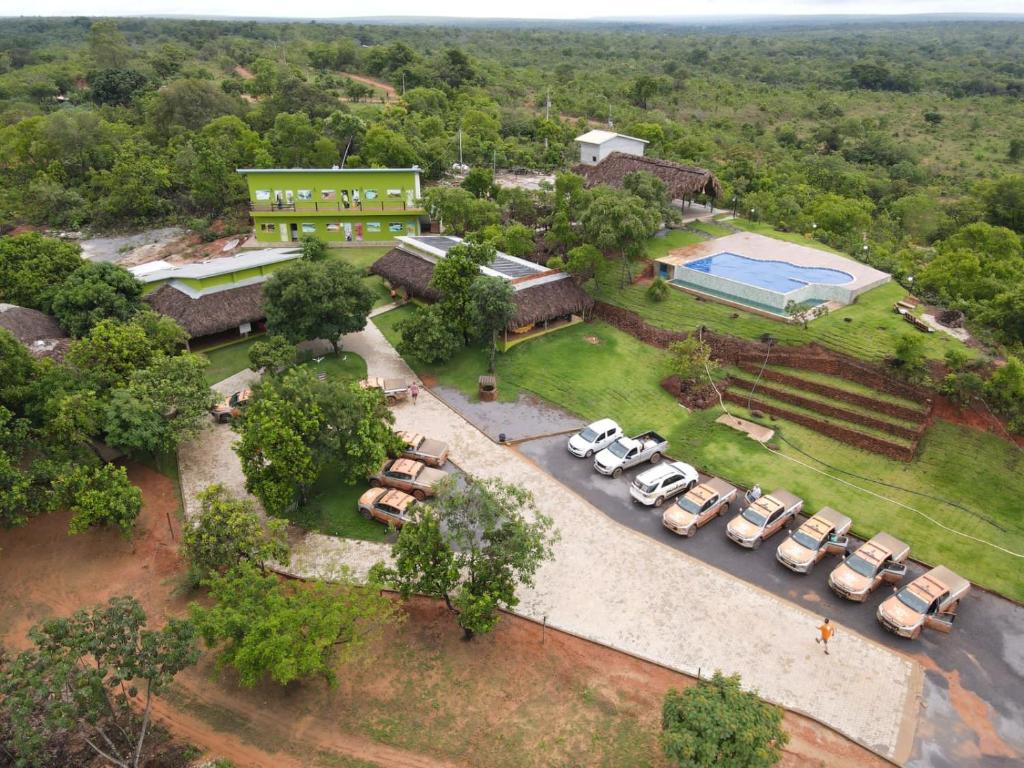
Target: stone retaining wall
[(831, 410), (836, 432)]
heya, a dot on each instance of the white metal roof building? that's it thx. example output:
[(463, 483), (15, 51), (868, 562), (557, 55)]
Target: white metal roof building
[(596, 145)]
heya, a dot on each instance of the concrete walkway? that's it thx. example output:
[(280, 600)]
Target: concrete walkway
[(610, 584)]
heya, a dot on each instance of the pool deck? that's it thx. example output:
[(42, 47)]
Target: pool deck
[(762, 248)]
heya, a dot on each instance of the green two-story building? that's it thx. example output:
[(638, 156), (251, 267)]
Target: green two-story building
[(338, 205)]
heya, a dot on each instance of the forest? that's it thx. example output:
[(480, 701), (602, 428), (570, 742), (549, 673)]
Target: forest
[(901, 143)]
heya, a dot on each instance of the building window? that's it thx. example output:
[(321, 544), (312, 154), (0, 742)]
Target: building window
[(326, 194), (262, 194), (396, 226), (394, 193), (268, 227), (309, 228), (594, 158), (373, 226), (305, 194), (371, 194), (333, 227)]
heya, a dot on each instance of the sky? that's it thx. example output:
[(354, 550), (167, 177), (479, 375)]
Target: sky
[(522, 9)]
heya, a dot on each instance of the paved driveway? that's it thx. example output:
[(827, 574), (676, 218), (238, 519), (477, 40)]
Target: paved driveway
[(974, 687)]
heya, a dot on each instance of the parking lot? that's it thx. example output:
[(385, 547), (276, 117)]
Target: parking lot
[(981, 661)]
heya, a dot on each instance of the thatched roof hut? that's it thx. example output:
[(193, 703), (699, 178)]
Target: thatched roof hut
[(39, 332), (683, 181), (210, 313), (549, 301), (551, 296), (406, 271)]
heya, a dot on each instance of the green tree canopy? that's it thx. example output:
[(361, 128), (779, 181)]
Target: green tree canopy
[(264, 626), (33, 267), (99, 495), (472, 546), (228, 531), (428, 336), (94, 676), (95, 292), (316, 300), (162, 406), (618, 224), (110, 352), (296, 426), (273, 354), (493, 308), (453, 276), (716, 723)]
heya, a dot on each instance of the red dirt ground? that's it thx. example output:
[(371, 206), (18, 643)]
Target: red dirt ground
[(519, 675), (974, 417)]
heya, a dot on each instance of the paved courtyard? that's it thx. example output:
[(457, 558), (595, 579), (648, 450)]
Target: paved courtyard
[(615, 586)]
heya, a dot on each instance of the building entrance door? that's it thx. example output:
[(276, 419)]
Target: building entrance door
[(284, 233), (295, 232)]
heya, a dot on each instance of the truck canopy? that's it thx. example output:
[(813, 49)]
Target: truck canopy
[(784, 497), (835, 519), (719, 486), (957, 585), (897, 549)]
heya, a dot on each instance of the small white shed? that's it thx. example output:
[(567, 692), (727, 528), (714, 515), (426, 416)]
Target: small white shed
[(595, 146)]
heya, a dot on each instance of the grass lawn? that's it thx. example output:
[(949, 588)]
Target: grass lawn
[(790, 237), (715, 230), (346, 365), (870, 334), (228, 360), (332, 510), (674, 238), (618, 377), (362, 258)]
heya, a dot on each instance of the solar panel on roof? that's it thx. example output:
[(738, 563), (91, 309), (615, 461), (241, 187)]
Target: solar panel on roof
[(510, 268), (441, 243)]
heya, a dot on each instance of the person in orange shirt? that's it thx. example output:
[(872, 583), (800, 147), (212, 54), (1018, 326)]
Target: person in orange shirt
[(827, 631)]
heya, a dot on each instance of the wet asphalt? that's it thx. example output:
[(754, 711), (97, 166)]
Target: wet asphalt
[(981, 660)]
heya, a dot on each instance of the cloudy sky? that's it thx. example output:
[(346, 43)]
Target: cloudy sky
[(538, 9)]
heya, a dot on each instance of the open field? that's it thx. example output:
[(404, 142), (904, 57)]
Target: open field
[(228, 360), (423, 698), (594, 370), (362, 258)]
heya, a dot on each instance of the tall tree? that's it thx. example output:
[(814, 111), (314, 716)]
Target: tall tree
[(619, 224), (295, 426), (427, 335), (288, 631), (162, 406), (453, 276), (493, 309), (95, 675), (316, 300), (33, 267), (96, 292), (716, 722), (472, 546), (99, 496), (228, 531), (109, 353), (108, 47)]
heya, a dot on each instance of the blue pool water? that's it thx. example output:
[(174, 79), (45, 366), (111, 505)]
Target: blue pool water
[(780, 276)]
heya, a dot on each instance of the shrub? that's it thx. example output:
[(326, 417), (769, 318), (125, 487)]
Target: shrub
[(658, 289)]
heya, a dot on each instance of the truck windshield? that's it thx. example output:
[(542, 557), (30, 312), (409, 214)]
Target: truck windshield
[(645, 487), (912, 601), (805, 540), (588, 435), (618, 449), (751, 515), (690, 506), (859, 565), (233, 400)]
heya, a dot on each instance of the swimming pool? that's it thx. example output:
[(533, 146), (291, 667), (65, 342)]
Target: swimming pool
[(778, 276)]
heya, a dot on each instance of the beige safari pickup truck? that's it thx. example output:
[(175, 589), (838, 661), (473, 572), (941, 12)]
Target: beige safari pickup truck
[(387, 505), (823, 534), (433, 453), (763, 518), (882, 558), (231, 406), (410, 476), (929, 600), (393, 389), (698, 507)]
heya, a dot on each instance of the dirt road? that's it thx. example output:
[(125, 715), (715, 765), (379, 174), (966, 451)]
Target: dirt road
[(378, 84)]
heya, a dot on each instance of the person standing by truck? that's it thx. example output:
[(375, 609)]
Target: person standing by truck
[(414, 392), (827, 631)]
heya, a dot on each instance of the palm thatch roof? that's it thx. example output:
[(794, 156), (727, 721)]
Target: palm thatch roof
[(683, 181), (549, 301), (406, 271), (213, 312), (534, 304), (39, 332)]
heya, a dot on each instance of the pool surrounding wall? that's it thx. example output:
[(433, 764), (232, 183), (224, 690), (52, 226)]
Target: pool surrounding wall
[(812, 293)]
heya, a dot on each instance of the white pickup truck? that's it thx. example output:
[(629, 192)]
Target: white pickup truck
[(627, 452)]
